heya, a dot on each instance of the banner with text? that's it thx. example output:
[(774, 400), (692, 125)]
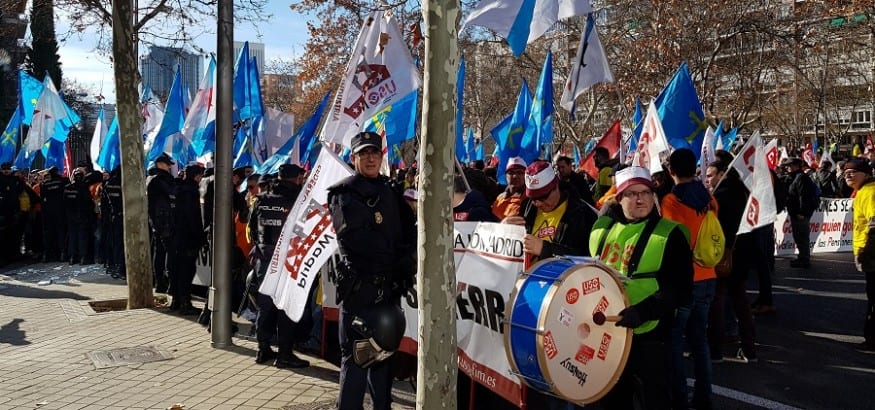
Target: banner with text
[(831, 229)]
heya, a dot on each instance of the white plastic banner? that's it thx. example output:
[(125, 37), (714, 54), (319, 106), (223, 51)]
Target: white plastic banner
[(831, 229)]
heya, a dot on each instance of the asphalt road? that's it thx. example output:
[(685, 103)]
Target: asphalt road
[(806, 350)]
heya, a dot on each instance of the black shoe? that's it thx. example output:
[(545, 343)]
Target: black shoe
[(264, 356), (189, 310), (291, 362)]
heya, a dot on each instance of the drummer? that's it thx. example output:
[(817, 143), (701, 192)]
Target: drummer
[(557, 220), (653, 255)]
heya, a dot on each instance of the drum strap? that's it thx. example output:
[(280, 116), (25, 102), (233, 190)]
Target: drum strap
[(640, 245)]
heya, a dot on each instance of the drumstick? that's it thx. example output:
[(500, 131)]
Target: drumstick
[(599, 318)]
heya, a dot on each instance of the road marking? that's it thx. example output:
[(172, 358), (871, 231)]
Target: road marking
[(838, 337), (857, 369), (849, 281), (746, 398)]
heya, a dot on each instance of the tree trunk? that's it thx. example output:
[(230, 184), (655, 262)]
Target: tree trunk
[(436, 375), (137, 260)]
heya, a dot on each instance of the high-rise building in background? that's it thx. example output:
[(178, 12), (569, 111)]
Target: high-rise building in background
[(255, 50), (159, 66)]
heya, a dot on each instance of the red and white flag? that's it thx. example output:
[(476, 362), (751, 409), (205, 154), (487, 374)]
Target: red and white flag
[(307, 240), (379, 73), (772, 154), (752, 165), (652, 147), (707, 155)]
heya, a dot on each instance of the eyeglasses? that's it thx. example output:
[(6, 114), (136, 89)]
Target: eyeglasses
[(850, 173), (370, 152), (541, 198), (639, 194)]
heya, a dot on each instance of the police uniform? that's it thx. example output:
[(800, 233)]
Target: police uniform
[(11, 216), (112, 208), (80, 217), (266, 221), (161, 195), (376, 236), (54, 221), (188, 238)]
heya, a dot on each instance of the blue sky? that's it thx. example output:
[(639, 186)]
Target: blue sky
[(283, 36)]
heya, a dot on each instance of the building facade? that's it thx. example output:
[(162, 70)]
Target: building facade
[(159, 67), (255, 50)]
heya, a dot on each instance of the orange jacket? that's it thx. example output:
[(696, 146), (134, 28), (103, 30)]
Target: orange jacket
[(673, 209)]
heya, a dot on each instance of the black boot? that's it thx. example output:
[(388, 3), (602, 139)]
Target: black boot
[(290, 361), (265, 354)]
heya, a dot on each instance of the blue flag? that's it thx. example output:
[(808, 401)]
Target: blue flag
[(307, 133), (174, 118), (729, 138), (718, 133), (461, 154), (396, 122), (511, 141), (29, 89), (110, 154), (639, 115), (681, 112), (11, 136), (478, 153), (245, 154), (577, 155), (247, 90), (54, 152), (469, 146), (539, 130)]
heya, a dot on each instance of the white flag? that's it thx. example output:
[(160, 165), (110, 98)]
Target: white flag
[(279, 127), (744, 161), (772, 153), (707, 155), (307, 240), (590, 66), (49, 109), (203, 109), (379, 73), (760, 209), (652, 146), (100, 129)]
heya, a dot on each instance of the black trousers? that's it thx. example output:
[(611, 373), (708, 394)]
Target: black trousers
[(801, 235), (181, 271), (354, 380), (78, 240), (54, 235), (869, 326), (117, 247), (159, 264), (272, 321), (645, 378)]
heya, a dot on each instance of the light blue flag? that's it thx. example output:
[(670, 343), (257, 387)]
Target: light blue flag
[(315, 149), (577, 155), (718, 134), (110, 153), (10, 137), (24, 159), (478, 153), (346, 154), (539, 130), (729, 138), (29, 89), (460, 100), (245, 152), (247, 90), (307, 133), (814, 145), (174, 119), (469, 146), (512, 141), (681, 112), (397, 121), (639, 115)]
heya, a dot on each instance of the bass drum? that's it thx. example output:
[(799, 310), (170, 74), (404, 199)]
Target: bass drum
[(551, 338)]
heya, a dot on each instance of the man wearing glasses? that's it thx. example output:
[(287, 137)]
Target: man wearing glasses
[(508, 202), (557, 221), (654, 255), (858, 175)]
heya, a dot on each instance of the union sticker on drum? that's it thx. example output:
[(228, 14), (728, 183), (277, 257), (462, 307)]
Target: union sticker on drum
[(591, 286), (601, 306), (606, 344), (565, 317), (584, 354), (572, 296), (550, 346)]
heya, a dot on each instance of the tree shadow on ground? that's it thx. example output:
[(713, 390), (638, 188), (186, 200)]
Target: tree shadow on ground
[(21, 291), (12, 334)]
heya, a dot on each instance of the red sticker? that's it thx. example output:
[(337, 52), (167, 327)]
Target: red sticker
[(592, 285), (572, 296), (601, 306), (606, 344), (549, 346), (584, 354)]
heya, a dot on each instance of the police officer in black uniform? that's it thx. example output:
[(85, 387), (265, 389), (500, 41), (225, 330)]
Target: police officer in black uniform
[(161, 194), (266, 222), (80, 217), (376, 235), (112, 210), (188, 238), (10, 214), (54, 220)]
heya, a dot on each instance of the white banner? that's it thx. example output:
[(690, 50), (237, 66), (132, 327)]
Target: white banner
[(380, 72), (832, 229), (307, 240)]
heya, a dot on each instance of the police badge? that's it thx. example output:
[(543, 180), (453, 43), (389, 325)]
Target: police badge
[(378, 217)]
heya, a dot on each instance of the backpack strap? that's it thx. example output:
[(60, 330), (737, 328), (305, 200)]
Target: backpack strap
[(640, 245)]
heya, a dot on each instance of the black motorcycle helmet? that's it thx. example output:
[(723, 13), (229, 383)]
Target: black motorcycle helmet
[(381, 329)]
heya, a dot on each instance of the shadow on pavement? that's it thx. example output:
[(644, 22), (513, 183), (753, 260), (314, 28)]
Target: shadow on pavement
[(20, 291), (10, 333)]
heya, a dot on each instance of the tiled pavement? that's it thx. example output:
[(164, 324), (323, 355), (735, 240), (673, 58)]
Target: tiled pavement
[(47, 330)]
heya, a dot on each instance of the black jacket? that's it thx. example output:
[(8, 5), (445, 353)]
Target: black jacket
[(52, 194), (801, 198), (161, 193), (10, 188), (474, 208), (111, 205), (376, 237), (572, 234), (268, 216), (578, 182), (78, 204), (731, 196), (188, 223)]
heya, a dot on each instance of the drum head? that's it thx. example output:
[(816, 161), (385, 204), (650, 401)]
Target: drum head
[(581, 359)]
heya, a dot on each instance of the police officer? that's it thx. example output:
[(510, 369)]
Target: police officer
[(375, 231), (112, 209), (188, 238), (54, 222), (80, 217), (266, 222), (161, 194), (11, 187)]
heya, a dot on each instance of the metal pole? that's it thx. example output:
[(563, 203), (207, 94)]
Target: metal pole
[(220, 291)]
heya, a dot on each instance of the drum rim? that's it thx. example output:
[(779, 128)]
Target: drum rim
[(508, 315), (542, 319)]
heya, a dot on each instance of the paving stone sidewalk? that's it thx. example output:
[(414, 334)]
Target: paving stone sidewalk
[(49, 329)]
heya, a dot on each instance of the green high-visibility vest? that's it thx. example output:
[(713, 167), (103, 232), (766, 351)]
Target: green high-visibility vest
[(619, 242)]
